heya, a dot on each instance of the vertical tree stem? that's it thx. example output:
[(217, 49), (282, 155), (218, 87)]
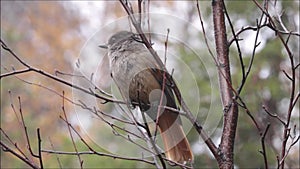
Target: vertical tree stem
[(229, 105)]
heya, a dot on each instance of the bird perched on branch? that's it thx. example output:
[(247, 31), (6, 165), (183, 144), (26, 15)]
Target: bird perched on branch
[(142, 83)]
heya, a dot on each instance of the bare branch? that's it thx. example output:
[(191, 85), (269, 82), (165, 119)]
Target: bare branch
[(229, 104), (5, 148), (4, 46), (288, 150), (25, 129), (15, 72), (70, 132), (291, 77), (114, 131), (22, 156), (244, 106), (204, 34), (262, 139), (255, 28), (62, 81), (236, 42), (287, 75), (40, 148), (273, 115), (90, 81), (99, 154), (256, 44), (57, 158), (15, 144)]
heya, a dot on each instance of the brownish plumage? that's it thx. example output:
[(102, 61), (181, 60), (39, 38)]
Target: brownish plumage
[(139, 80)]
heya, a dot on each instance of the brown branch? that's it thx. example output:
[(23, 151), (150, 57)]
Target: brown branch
[(22, 155), (62, 81), (288, 150), (113, 126), (152, 142), (204, 34), (15, 145), (292, 96), (6, 148), (255, 28), (15, 73), (296, 99), (70, 132), (40, 148), (273, 115), (291, 77), (244, 106), (236, 42), (229, 104), (92, 152), (25, 129), (140, 12), (57, 158), (127, 137), (243, 29), (256, 44), (297, 66), (287, 75), (85, 78), (262, 140), (163, 83), (5, 47)]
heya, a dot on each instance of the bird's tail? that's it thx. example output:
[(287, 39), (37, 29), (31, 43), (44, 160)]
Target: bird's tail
[(175, 142)]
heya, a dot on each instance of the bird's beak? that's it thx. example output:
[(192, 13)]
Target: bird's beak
[(103, 46)]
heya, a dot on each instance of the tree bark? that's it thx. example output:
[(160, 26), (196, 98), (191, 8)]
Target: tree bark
[(230, 108)]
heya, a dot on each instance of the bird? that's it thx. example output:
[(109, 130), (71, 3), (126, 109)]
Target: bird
[(142, 83)]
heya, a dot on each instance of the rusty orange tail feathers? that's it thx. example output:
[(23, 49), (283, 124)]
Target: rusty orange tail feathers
[(177, 147)]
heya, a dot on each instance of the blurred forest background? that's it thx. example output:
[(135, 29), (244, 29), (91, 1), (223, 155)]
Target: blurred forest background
[(50, 35)]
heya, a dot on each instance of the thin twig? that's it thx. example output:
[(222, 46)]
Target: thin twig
[(292, 77), (15, 72), (262, 139), (204, 33), (40, 148), (256, 44), (152, 142), (140, 12), (163, 83), (255, 28), (70, 132), (26, 160), (62, 81), (57, 158), (90, 81), (236, 42), (25, 129), (92, 152), (288, 150), (273, 115), (13, 143)]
